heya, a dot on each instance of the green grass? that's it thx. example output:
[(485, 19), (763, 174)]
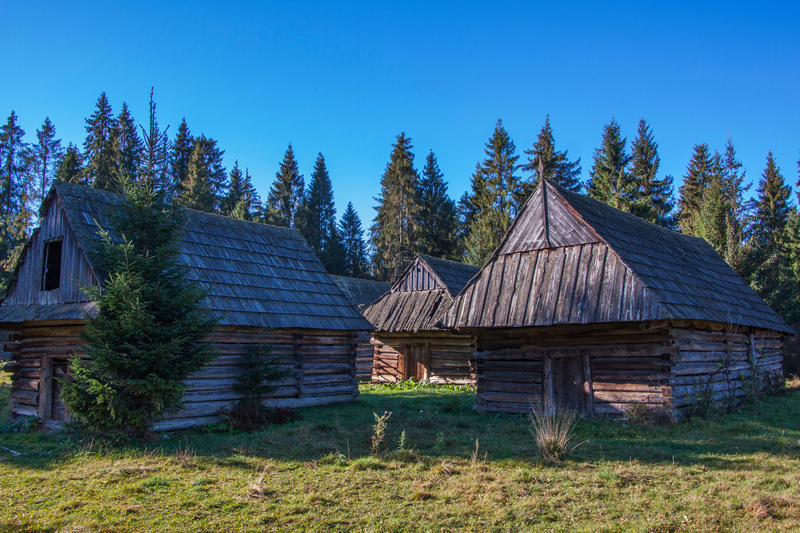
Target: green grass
[(737, 473)]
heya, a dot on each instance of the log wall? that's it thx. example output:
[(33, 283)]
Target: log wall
[(322, 367), (658, 365), (450, 356)]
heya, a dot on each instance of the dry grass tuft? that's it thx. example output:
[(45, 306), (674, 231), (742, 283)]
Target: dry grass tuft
[(770, 506), (552, 433)]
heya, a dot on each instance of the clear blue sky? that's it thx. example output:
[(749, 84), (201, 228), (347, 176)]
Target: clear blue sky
[(345, 78)]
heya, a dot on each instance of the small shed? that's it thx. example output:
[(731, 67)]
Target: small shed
[(361, 293), (408, 340), (264, 284), (586, 307)]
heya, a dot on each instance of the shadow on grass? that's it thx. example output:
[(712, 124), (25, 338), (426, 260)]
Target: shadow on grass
[(441, 425)]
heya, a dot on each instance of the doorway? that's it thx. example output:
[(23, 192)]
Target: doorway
[(568, 384), (415, 362)]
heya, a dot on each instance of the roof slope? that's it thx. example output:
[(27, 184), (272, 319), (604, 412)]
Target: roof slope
[(255, 274), (612, 266), (361, 292), (419, 296)]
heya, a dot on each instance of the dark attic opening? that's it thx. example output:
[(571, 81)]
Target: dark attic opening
[(51, 266)]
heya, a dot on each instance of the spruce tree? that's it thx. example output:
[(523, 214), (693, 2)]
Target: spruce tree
[(695, 182), (734, 189), (154, 160), (355, 250), (70, 166), (609, 179), (235, 190), (316, 219), (44, 162), (197, 191), (398, 204), (15, 185), (180, 154), (436, 219), (713, 219), (544, 159), (286, 194), (98, 148), (651, 197), (494, 199), (774, 243), (150, 330), (127, 145)]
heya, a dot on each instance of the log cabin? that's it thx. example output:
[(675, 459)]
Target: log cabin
[(263, 283), (588, 308), (361, 293), (407, 339)]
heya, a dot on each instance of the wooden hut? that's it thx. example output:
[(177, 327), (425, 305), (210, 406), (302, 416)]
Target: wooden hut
[(408, 341), (590, 308), (361, 293), (264, 284)]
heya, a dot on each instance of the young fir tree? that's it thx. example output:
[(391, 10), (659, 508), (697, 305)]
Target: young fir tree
[(609, 179), (286, 194), (355, 250), (398, 204), (691, 193), (712, 221), (545, 160), (150, 328), (734, 189), (242, 200), (127, 146), (436, 219), (494, 200), (235, 191), (316, 218), (44, 161), (652, 197), (98, 148), (69, 167), (179, 157), (15, 215)]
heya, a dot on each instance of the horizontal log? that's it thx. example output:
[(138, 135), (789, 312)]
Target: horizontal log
[(444, 363), (515, 388), (511, 366), (715, 336), (690, 369), (314, 390), (37, 342), (627, 387), (504, 407), (175, 424), (25, 410), (52, 331), (598, 350), (65, 351), (707, 357), (510, 397), (511, 377), (27, 384), (627, 397), (630, 375), (26, 397)]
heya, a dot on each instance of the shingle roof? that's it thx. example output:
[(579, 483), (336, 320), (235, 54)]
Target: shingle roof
[(361, 292), (652, 272), (453, 274), (255, 274)]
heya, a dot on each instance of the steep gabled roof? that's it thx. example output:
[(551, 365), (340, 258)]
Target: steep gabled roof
[(570, 259), (416, 300), (255, 274), (361, 292)]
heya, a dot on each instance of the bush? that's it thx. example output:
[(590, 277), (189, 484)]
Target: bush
[(552, 433)]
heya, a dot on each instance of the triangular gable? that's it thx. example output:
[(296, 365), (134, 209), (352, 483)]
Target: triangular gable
[(546, 221), (418, 276)]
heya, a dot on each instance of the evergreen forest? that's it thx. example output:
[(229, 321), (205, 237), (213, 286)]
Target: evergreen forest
[(757, 232)]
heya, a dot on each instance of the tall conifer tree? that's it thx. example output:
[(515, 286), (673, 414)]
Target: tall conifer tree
[(355, 250), (154, 161), (180, 154), (317, 216), (393, 228), (70, 166), (695, 182), (609, 179), (197, 191), (544, 159), (15, 216), (494, 199), (128, 146), (45, 156), (651, 197), (98, 148), (436, 219), (286, 193)]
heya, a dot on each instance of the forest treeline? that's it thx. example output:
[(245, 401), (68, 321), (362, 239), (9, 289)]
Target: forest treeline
[(758, 237)]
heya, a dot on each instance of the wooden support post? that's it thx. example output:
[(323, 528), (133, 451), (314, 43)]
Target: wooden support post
[(588, 386), (548, 399), (46, 388)]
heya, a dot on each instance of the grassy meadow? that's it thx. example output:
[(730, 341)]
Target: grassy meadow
[(441, 467)]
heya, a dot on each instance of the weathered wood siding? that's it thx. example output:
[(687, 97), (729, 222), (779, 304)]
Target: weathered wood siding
[(364, 356), (627, 365), (724, 365), (75, 269), (418, 278), (576, 284), (321, 365), (449, 356)]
